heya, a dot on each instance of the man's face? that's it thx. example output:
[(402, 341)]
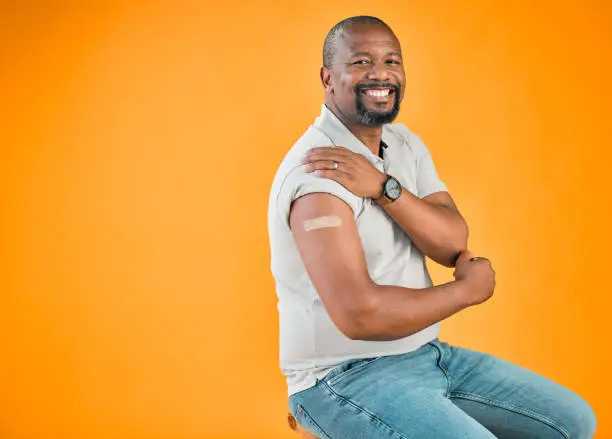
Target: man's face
[(367, 78)]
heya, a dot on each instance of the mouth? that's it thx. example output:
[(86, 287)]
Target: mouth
[(379, 94)]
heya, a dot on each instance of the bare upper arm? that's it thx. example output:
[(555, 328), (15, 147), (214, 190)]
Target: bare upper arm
[(333, 255)]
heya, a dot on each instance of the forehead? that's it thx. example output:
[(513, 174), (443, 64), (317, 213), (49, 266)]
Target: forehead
[(367, 38)]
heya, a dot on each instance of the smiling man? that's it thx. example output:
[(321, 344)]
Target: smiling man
[(355, 207)]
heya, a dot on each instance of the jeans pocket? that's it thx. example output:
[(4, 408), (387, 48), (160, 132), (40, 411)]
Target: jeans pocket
[(351, 369), (308, 423)]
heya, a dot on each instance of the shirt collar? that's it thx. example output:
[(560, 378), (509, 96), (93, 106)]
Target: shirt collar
[(340, 135)]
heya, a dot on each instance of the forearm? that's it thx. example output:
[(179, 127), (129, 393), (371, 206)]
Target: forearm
[(397, 312), (439, 232)]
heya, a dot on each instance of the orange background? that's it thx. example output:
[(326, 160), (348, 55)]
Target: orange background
[(139, 142)]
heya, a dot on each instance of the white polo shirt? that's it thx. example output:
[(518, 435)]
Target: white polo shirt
[(310, 344)]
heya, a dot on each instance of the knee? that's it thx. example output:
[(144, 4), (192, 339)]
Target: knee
[(582, 420), (589, 422)]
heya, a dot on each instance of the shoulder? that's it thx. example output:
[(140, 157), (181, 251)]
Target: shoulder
[(313, 137), (400, 130), (407, 138), (291, 161), (292, 181)]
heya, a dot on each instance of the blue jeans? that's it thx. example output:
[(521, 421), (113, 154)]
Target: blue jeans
[(440, 392)]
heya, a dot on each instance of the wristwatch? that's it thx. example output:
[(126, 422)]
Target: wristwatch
[(392, 189)]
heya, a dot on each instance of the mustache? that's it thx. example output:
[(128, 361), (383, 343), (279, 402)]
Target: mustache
[(362, 87)]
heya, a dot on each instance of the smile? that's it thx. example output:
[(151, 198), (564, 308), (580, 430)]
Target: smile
[(378, 92), (379, 95)]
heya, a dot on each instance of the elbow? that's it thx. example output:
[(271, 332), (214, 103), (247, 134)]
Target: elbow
[(465, 234), (461, 237), (367, 324), (357, 322), (357, 329), (368, 327), (458, 245)]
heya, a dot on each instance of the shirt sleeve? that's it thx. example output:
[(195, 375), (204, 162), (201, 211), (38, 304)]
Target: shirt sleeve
[(427, 180), (299, 183)]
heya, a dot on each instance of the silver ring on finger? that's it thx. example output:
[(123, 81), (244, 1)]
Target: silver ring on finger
[(335, 165)]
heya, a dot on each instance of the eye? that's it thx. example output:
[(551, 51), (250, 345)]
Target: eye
[(393, 61), (361, 62)]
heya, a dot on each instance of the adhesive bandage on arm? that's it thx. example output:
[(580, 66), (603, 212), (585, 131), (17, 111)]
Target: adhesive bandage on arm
[(322, 222)]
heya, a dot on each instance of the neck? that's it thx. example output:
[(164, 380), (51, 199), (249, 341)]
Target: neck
[(369, 136)]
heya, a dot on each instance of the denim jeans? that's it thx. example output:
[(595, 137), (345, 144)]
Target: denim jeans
[(440, 391)]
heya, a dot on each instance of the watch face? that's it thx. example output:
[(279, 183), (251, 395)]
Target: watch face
[(393, 188)]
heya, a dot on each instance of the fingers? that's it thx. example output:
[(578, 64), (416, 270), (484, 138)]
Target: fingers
[(327, 153), (322, 165), (339, 176), (341, 150), (480, 259), (465, 255)]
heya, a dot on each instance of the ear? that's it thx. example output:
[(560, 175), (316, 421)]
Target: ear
[(326, 79)]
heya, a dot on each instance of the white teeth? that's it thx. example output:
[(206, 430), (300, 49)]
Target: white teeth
[(380, 93)]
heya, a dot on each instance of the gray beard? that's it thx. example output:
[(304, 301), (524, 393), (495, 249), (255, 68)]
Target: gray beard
[(375, 118)]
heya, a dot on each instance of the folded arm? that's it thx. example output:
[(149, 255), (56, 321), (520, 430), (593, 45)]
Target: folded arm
[(433, 223), (333, 256), (429, 217)]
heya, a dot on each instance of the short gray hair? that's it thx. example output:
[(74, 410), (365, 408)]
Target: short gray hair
[(336, 32)]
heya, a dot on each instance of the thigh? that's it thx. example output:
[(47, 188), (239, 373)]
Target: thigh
[(400, 397), (511, 401)]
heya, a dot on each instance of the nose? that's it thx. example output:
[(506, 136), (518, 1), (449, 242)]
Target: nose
[(378, 71)]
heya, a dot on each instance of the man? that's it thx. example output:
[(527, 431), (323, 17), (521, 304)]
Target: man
[(354, 208)]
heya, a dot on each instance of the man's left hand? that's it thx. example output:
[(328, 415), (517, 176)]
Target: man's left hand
[(351, 170)]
